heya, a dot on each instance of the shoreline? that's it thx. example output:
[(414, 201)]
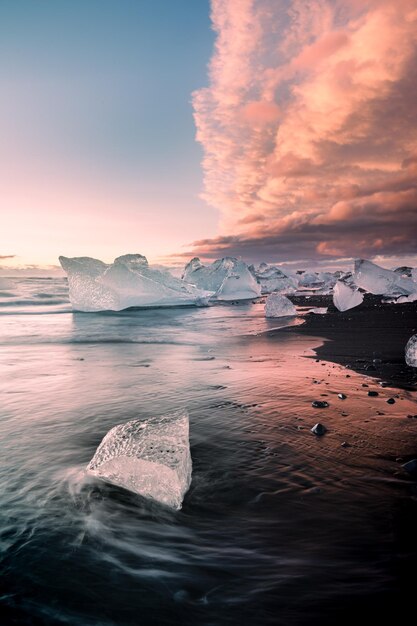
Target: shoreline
[(369, 339)]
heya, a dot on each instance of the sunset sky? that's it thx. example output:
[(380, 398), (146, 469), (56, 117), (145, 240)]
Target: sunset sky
[(268, 129)]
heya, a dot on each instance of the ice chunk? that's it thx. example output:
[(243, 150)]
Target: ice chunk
[(378, 280), (129, 281), (278, 305), (149, 457), (227, 279), (411, 351), (345, 298), (271, 278), (404, 299)]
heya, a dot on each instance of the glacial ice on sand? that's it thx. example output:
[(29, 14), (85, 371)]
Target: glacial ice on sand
[(378, 280), (129, 281), (271, 278), (345, 298), (278, 305), (227, 279), (411, 351), (149, 457)]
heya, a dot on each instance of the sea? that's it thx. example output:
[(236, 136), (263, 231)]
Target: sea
[(279, 527)]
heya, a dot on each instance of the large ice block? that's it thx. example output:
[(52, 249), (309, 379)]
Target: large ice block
[(129, 281), (278, 305), (411, 351), (227, 279), (345, 298), (378, 280), (149, 457), (271, 278)]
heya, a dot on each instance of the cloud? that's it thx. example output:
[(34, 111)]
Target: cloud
[(6, 256), (309, 127)]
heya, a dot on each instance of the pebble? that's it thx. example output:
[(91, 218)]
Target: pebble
[(410, 466), (373, 394), (319, 429), (345, 444), (342, 396), (390, 401), (319, 404)]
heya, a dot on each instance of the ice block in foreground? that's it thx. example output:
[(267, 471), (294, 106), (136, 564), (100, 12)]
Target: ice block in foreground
[(149, 457)]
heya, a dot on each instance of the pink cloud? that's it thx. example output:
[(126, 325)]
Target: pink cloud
[(309, 122)]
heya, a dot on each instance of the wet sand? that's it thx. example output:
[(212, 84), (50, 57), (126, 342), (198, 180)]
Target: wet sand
[(279, 527)]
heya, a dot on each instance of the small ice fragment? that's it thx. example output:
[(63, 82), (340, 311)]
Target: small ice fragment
[(411, 351), (279, 306), (149, 457), (345, 298)]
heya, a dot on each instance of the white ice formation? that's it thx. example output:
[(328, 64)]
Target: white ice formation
[(128, 282), (227, 279), (411, 351), (272, 278), (345, 298), (378, 280), (319, 282), (149, 457), (278, 305)]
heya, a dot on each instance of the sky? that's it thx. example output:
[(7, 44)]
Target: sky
[(278, 130), (97, 140)]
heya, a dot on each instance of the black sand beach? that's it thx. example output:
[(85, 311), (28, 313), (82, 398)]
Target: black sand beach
[(369, 339)]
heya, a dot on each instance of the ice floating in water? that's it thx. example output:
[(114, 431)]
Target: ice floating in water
[(378, 280), (129, 281), (411, 351), (227, 279), (278, 305), (345, 298), (149, 457)]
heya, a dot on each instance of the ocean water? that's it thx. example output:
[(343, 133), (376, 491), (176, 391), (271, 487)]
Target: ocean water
[(278, 527)]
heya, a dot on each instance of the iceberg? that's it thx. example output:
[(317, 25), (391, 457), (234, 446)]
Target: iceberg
[(227, 279), (127, 282), (345, 298), (278, 305), (149, 457), (380, 281), (411, 351)]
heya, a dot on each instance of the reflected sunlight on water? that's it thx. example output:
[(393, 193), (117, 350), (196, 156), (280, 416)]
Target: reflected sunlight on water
[(278, 526)]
